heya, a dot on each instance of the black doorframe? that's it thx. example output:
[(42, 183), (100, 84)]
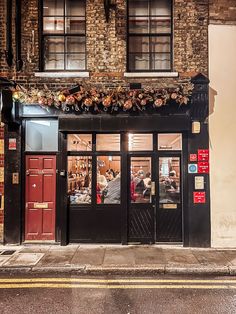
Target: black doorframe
[(123, 125)]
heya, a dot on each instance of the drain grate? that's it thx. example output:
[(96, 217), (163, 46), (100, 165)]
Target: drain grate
[(9, 252)]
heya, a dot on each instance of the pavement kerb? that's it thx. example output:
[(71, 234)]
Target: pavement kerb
[(123, 271)]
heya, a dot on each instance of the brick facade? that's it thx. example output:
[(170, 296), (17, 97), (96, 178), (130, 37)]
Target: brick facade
[(106, 44), (222, 12)]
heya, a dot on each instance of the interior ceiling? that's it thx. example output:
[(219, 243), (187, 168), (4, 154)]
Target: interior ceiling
[(106, 142)]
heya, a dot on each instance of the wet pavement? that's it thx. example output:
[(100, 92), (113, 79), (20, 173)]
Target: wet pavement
[(117, 259), (115, 294)]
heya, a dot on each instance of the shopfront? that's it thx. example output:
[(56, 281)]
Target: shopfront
[(102, 178)]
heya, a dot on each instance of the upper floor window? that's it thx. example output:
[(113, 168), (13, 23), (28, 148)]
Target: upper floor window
[(63, 35), (149, 35)]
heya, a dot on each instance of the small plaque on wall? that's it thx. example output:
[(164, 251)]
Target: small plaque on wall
[(199, 197), (12, 144)]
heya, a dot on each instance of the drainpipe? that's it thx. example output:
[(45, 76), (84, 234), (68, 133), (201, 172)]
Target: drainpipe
[(19, 62), (8, 51)]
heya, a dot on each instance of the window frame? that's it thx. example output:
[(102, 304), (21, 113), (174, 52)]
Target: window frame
[(149, 35), (43, 35)]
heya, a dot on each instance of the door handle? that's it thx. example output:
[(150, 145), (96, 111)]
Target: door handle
[(27, 172)]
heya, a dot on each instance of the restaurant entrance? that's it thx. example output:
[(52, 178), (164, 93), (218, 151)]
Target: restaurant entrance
[(124, 186)]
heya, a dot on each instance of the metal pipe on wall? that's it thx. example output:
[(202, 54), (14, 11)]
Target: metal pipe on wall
[(9, 51), (19, 62)]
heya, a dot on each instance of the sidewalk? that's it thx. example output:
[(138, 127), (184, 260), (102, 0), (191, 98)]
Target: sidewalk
[(116, 259)]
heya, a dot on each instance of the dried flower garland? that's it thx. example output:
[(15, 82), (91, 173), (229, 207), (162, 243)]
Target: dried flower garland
[(80, 99)]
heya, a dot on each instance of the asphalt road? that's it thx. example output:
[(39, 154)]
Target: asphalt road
[(115, 295)]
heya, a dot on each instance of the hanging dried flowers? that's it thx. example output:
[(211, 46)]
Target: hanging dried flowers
[(81, 99)]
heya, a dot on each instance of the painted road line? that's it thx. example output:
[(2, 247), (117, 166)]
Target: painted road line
[(90, 280), (105, 286)]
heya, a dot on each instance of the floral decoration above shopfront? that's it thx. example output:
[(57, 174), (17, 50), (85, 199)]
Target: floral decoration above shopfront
[(84, 99)]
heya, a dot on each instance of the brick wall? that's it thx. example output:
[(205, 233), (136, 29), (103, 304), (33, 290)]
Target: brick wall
[(1, 180), (106, 44), (222, 12)]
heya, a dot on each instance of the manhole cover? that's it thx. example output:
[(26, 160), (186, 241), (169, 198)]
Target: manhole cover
[(9, 252)]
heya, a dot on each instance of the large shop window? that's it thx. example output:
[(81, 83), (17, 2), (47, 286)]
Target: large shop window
[(41, 135), (149, 35), (63, 35), (82, 155)]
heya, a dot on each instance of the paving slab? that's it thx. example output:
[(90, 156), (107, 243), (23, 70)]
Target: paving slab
[(180, 257), (230, 256), (3, 259), (213, 258), (57, 258), (23, 259), (35, 249), (88, 256), (119, 256), (149, 256)]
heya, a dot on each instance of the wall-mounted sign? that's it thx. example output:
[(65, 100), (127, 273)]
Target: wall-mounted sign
[(199, 183), (12, 144), (192, 168), (203, 155), (1, 146), (199, 197), (193, 157), (1, 174), (203, 167)]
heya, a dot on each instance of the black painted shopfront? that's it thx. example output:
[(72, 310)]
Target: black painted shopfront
[(123, 149)]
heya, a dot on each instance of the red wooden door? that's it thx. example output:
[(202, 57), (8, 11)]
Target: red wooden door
[(40, 197)]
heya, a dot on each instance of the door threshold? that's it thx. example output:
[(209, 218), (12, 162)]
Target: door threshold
[(169, 243), (40, 242)]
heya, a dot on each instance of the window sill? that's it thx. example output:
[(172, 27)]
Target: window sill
[(61, 74), (151, 74)]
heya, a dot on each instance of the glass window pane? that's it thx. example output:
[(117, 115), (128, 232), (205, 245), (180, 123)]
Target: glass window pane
[(41, 135), (140, 180), (160, 25), (170, 141), (75, 44), (74, 8), (53, 7), (79, 179), (140, 142), (160, 44), (139, 61), (160, 7), (138, 24), (54, 62), (54, 45), (160, 61), (169, 180), (75, 61), (53, 25), (108, 142), (139, 44), (108, 179), (75, 25), (138, 7), (79, 142)]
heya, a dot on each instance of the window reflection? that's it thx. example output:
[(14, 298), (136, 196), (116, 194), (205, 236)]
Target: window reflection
[(140, 180), (108, 180), (169, 180), (79, 142), (170, 141), (108, 142), (79, 179)]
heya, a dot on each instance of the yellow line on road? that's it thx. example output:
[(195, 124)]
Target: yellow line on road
[(105, 286), (90, 280)]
